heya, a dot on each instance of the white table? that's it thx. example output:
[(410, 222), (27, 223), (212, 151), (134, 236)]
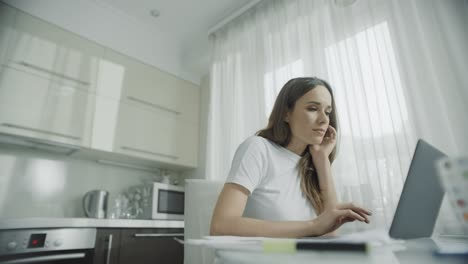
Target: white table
[(408, 252)]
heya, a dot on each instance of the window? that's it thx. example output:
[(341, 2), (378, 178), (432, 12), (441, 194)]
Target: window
[(274, 81), (373, 120), (363, 70)]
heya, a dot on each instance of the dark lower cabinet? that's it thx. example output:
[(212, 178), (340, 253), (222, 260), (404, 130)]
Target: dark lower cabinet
[(139, 246), (107, 246), (144, 246)]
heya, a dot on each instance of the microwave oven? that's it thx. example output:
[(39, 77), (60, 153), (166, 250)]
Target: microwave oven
[(165, 202)]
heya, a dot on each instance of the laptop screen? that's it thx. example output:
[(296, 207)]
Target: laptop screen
[(421, 197)]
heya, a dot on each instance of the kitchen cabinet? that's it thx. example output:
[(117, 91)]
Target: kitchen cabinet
[(48, 51), (139, 246), (157, 113), (107, 246), (46, 76), (145, 246), (148, 86), (59, 87), (37, 107), (7, 20), (141, 131), (155, 134)]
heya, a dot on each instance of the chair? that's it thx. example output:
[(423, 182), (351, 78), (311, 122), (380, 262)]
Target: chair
[(200, 200)]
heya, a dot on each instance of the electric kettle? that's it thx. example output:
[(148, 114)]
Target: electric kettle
[(95, 203)]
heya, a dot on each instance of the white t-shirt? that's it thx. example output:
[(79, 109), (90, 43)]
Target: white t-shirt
[(269, 171)]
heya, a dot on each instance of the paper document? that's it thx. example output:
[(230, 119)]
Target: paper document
[(229, 242), (349, 242)]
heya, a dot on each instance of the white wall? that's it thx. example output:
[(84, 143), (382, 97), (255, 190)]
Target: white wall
[(112, 28), (35, 183)]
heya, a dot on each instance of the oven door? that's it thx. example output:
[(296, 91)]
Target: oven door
[(55, 257)]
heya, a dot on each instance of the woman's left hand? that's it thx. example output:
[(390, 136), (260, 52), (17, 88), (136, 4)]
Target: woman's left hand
[(326, 147)]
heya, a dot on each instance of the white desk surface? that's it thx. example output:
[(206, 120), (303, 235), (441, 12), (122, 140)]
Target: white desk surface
[(417, 251)]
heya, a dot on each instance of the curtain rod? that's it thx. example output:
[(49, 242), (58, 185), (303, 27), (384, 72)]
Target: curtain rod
[(231, 17)]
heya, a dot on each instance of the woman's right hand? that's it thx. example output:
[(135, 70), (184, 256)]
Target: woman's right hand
[(331, 219)]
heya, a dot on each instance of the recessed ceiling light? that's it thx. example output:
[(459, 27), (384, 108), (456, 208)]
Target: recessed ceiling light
[(344, 2), (155, 13)]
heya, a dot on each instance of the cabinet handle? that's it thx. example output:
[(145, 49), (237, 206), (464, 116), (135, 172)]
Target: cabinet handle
[(40, 131), (149, 152), (159, 235), (109, 249), (62, 76), (46, 259), (131, 98), (127, 165)]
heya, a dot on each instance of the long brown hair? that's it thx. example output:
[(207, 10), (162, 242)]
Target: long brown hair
[(279, 132)]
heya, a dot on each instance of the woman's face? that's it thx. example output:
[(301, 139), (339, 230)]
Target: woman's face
[(310, 117)]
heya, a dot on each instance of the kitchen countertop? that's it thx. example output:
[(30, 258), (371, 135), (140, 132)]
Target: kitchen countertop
[(44, 222)]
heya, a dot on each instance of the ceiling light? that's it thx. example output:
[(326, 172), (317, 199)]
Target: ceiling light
[(155, 13), (344, 2)]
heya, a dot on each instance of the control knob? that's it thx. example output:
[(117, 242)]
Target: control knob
[(11, 246), (58, 242)]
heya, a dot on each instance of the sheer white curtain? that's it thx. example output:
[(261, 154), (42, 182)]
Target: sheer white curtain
[(398, 69)]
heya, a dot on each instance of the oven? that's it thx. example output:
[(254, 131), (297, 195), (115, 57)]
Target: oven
[(55, 246)]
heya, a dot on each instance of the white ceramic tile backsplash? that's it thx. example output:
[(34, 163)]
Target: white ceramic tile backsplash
[(40, 184)]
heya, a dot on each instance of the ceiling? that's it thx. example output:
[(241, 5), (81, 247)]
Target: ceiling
[(187, 22)]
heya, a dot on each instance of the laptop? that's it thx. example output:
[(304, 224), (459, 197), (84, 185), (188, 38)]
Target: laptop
[(421, 197)]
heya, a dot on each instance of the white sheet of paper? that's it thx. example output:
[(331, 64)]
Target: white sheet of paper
[(374, 237)]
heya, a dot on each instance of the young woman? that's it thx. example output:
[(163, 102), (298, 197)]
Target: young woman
[(280, 182)]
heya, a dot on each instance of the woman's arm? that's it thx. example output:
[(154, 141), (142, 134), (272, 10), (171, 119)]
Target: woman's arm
[(320, 153), (327, 186), (227, 218)]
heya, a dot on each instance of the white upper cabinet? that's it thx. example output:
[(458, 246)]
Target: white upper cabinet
[(156, 116), (45, 78), (148, 86), (57, 86), (37, 107), (153, 134), (50, 52), (7, 20)]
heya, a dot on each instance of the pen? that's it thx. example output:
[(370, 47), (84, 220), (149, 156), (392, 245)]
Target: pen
[(292, 246), (332, 246)]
